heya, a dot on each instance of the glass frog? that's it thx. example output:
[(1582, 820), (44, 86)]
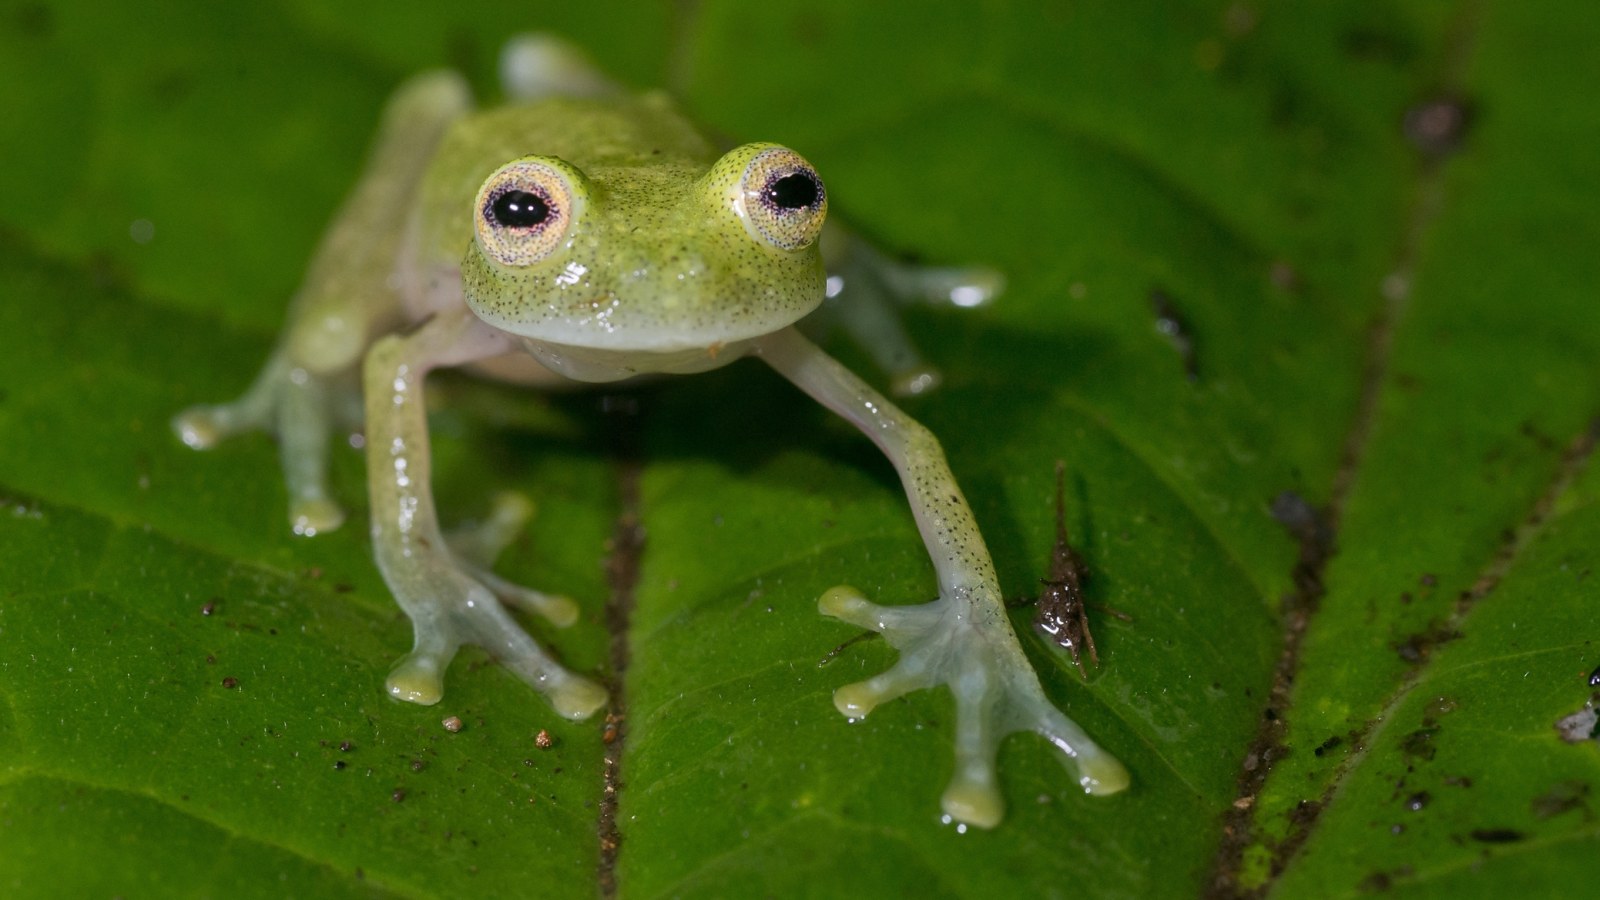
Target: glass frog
[(626, 246)]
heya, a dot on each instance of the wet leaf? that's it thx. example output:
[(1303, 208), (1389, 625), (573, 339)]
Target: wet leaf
[(1372, 221)]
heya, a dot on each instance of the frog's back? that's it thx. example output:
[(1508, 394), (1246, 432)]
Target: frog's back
[(592, 133)]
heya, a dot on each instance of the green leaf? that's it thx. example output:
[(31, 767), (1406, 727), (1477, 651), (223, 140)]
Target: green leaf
[(1403, 338)]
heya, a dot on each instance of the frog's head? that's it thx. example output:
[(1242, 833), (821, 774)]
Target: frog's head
[(659, 257)]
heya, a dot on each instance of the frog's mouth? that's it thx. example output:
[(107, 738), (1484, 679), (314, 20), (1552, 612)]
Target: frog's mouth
[(643, 317)]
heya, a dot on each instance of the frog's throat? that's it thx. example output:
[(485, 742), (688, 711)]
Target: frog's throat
[(601, 364)]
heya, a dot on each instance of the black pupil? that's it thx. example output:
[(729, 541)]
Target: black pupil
[(520, 209), (796, 191)]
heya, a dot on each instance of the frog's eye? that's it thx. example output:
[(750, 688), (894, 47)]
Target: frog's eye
[(783, 200), (525, 209)]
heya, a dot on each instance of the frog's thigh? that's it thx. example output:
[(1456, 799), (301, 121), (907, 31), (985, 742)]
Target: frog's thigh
[(351, 289)]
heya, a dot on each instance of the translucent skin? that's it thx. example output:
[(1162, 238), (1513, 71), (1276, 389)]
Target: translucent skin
[(660, 271)]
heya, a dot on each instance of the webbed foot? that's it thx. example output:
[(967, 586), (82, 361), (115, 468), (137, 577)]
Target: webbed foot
[(948, 642), (458, 600)]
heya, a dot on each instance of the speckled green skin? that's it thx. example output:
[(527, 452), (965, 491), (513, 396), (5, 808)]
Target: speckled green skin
[(654, 263), (656, 274)]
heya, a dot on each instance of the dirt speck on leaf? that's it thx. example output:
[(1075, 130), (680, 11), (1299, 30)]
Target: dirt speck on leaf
[(1564, 797), (1580, 726)]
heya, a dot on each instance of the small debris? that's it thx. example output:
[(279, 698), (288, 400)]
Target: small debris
[(612, 730), (833, 654), (1497, 835), (1172, 324), (1284, 276), (1418, 745), (418, 765), (230, 682), (1564, 797), (1417, 647), (1063, 611), (1313, 531), (543, 740), (452, 724), (1436, 127), (1580, 726), (399, 795)]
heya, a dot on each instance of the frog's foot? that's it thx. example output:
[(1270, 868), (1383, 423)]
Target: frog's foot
[(463, 602), (949, 642), (469, 613), (294, 406)]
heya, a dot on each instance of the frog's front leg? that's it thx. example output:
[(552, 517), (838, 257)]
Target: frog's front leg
[(448, 606), (865, 290), (962, 639)]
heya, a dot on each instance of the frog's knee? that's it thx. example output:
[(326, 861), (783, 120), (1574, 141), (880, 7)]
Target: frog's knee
[(538, 66)]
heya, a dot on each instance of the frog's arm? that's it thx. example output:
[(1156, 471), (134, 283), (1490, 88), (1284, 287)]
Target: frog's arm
[(449, 604), (867, 288), (962, 639)]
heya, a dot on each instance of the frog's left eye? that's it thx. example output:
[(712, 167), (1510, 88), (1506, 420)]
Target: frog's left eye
[(783, 200), (526, 208)]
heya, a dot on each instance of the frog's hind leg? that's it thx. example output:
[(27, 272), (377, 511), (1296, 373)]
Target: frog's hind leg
[(309, 383), (540, 66)]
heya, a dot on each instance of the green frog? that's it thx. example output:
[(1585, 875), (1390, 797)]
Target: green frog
[(582, 233)]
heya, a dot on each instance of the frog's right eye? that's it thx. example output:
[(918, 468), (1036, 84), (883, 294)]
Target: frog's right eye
[(525, 209)]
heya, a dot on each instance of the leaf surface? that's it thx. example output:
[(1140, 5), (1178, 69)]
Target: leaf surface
[(1401, 337)]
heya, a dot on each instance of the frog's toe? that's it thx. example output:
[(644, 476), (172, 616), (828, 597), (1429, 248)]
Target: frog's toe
[(197, 427), (579, 698), (556, 609), (973, 802), (856, 700), (916, 381), (419, 677), (896, 623), (311, 516), (1099, 773)]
